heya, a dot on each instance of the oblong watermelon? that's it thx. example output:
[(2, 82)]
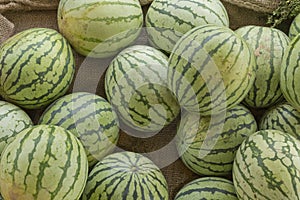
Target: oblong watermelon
[(12, 121), (90, 118), (136, 86), (43, 162), (269, 45), (208, 188), (283, 117), (290, 74), (207, 146), (99, 28), (267, 167), (125, 175), (168, 20), (211, 68), (294, 29), (37, 67)]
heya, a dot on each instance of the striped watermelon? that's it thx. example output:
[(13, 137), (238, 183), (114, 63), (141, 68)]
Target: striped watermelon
[(168, 20), (210, 69), (208, 188), (37, 67), (267, 167), (283, 117), (125, 175), (208, 147), (90, 118), (294, 29), (43, 162), (269, 45), (135, 84), (12, 121), (100, 28), (290, 74)]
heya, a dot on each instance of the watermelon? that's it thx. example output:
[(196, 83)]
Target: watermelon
[(267, 167), (290, 74), (208, 188), (43, 162), (99, 28), (294, 29), (283, 117), (90, 118), (269, 45), (125, 175), (37, 67), (12, 121), (136, 86), (211, 68), (207, 145), (168, 20)]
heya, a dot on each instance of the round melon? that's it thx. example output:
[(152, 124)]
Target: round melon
[(208, 147), (211, 69), (43, 162), (37, 67), (90, 118), (208, 188), (269, 45), (294, 29), (290, 73), (100, 28), (168, 20), (12, 121), (125, 175), (283, 117), (267, 166), (136, 86)]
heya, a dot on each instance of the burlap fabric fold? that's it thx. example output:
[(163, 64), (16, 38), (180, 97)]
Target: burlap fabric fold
[(264, 6), (6, 28)]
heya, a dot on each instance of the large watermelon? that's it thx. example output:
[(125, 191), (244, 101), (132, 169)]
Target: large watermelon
[(100, 28), (90, 118), (125, 175), (168, 20), (210, 69), (267, 167), (136, 86), (207, 146), (37, 67), (294, 29), (207, 188), (290, 73), (283, 117), (12, 121), (43, 162), (269, 45)]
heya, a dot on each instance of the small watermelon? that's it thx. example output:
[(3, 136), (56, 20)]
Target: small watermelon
[(267, 167), (211, 69), (136, 86), (43, 162), (208, 188), (37, 67), (90, 118), (207, 145), (269, 45), (283, 117), (294, 29), (100, 28), (125, 175), (12, 121), (290, 74), (168, 20)]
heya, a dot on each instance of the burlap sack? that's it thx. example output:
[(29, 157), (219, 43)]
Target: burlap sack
[(6, 28), (264, 6)]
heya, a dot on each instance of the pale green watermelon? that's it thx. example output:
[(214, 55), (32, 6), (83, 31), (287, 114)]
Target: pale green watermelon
[(294, 29)]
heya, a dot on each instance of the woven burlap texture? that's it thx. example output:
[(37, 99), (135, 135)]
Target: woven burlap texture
[(6, 28), (265, 6)]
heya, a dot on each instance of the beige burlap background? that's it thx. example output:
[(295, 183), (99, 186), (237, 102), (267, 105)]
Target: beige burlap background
[(176, 173), (264, 6)]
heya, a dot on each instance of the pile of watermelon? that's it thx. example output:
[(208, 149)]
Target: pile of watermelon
[(194, 71)]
